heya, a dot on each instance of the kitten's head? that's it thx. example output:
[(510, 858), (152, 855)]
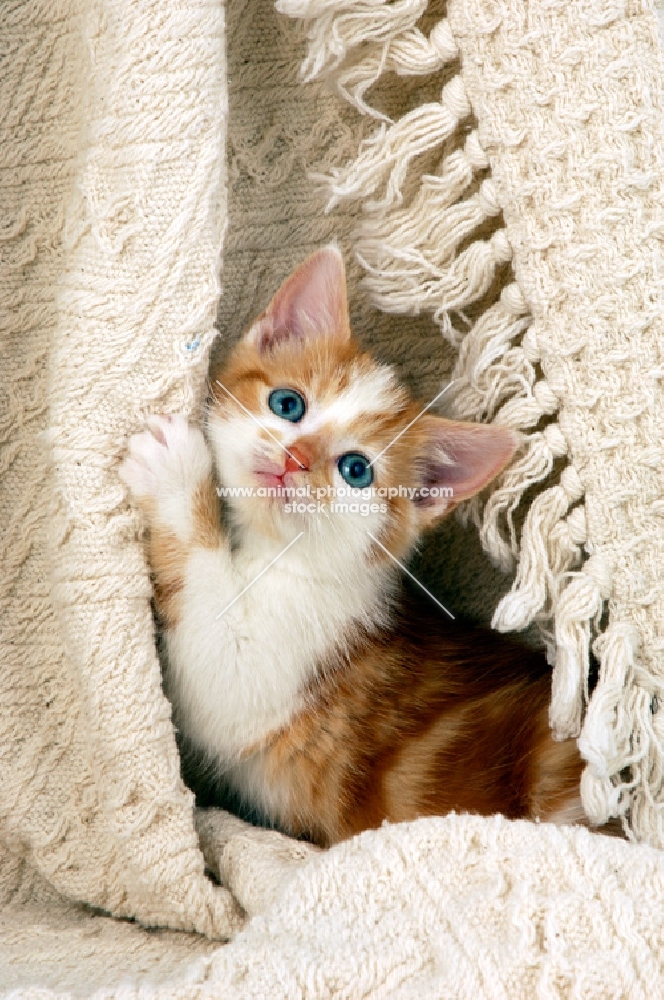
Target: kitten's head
[(300, 407)]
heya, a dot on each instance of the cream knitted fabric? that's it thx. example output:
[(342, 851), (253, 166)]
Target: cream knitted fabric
[(583, 198), (112, 182), (113, 191), (460, 908)]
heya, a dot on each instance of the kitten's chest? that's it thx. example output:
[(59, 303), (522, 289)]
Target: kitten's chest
[(238, 677)]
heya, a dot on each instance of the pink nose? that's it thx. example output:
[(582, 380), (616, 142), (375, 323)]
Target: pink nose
[(296, 460)]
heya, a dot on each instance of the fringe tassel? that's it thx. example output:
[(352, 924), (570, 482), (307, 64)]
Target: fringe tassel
[(535, 589), (606, 739), (622, 738), (491, 367), (578, 607), (336, 28), (495, 380), (410, 54), (412, 256), (384, 158)]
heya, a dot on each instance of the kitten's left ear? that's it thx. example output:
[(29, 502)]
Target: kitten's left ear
[(312, 302), (457, 461)]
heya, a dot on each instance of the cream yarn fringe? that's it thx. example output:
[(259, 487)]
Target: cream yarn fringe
[(422, 240)]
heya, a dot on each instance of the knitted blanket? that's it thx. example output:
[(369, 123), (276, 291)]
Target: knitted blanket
[(500, 165)]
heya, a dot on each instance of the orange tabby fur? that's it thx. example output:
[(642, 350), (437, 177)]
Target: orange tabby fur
[(428, 718)]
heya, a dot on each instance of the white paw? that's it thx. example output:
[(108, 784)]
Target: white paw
[(165, 464)]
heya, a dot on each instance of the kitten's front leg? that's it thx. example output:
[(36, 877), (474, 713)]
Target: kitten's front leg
[(168, 471)]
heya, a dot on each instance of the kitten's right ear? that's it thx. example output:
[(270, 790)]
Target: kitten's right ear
[(459, 459), (311, 303)]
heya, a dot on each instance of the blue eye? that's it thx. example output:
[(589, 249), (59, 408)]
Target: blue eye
[(287, 403), (355, 470)]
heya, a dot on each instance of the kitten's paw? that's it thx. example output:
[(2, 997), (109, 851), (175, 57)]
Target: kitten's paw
[(164, 467)]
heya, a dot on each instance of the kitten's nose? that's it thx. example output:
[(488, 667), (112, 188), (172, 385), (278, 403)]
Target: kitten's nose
[(296, 460)]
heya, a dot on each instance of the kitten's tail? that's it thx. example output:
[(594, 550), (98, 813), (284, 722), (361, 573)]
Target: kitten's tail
[(556, 795)]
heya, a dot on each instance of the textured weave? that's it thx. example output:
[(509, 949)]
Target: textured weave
[(580, 177), (519, 214), (460, 908), (112, 182)]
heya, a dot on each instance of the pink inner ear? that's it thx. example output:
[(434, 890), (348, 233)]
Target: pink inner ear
[(312, 302), (464, 457)]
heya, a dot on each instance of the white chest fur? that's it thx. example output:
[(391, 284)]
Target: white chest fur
[(236, 677)]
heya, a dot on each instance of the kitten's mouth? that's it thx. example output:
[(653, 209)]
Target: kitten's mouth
[(274, 480), (270, 478), (297, 461)]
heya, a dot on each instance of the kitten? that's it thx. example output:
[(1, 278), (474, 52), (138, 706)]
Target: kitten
[(329, 694)]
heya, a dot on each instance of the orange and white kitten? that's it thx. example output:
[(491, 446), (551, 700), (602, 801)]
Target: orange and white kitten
[(328, 694)]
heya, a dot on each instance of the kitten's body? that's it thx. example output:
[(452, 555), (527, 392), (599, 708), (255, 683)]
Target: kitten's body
[(398, 731), (326, 697)]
